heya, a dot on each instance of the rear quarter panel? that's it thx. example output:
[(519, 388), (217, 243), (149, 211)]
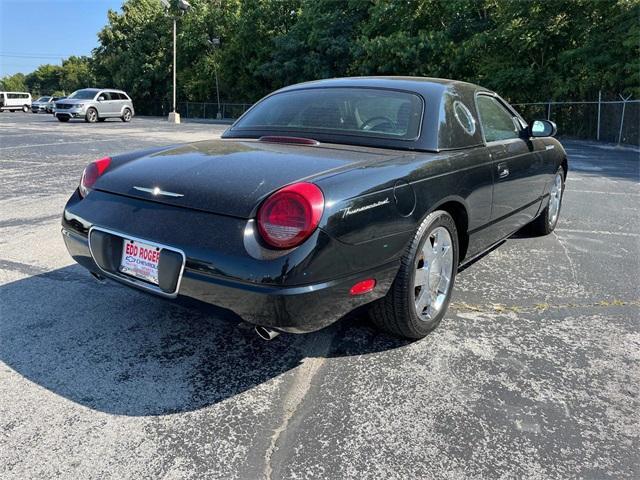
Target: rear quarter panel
[(380, 205)]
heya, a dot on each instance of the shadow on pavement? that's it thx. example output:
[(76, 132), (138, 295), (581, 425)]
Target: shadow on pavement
[(125, 352), (602, 160)]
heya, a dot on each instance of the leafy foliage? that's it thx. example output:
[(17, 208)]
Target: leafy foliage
[(526, 50)]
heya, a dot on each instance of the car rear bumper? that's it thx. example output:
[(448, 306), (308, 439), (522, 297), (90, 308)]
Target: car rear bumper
[(218, 270), (295, 309)]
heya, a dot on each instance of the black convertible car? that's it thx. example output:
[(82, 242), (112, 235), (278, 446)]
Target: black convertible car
[(323, 197)]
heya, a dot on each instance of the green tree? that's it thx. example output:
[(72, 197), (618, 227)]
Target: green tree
[(134, 52), (77, 73), (44, 80), (526, 50), (13, 83), (319, 43)]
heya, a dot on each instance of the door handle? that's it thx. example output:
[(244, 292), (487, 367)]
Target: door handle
[(503, 171)]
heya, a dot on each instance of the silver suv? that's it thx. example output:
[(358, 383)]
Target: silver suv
[(95, 105)]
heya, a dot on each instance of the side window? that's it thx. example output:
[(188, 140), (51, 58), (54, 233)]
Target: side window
[(497, 122), (103, 96)]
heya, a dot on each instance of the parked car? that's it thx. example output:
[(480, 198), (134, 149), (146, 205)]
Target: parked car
[(40, 105), (15, 101), (52, 104), (95, 105), (323, 197)]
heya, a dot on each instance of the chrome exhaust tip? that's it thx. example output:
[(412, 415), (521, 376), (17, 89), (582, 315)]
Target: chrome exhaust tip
[(98, 277), (266, 333)]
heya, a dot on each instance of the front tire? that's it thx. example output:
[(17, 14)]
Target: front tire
[(91, 116), (546, 222), (63, 119), (421, 291)]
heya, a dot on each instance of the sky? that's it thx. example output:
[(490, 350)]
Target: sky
[(33, 32)]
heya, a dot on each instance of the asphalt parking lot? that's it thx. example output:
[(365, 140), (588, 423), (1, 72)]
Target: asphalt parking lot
[(534, 373)]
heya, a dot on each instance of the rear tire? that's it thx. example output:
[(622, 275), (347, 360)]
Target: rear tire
[(91, 116), (421, 291), (126, 115), (25, 108), (546, 222)]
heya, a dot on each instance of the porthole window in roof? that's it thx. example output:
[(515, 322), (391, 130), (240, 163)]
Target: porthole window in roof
[(464, 117)]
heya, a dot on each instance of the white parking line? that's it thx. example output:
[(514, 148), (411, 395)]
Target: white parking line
[(598, 232), (55, 144), (603, 193)]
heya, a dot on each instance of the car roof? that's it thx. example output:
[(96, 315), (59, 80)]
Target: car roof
[(415, 84), (440, 130), (95, 89)]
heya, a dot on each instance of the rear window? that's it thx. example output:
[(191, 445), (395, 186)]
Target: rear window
[(366, 112)]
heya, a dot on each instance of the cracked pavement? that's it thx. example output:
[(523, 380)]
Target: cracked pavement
[(534, 372)]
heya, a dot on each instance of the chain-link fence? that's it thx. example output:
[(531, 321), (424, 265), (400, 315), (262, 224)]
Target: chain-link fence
[(196, 110), (212, 111), (605, 121)]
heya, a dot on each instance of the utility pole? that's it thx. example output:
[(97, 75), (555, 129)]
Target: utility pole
[(174, 117), (183, 6), (215, 42)]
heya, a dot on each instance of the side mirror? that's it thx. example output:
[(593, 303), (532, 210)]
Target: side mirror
[(543, 128)]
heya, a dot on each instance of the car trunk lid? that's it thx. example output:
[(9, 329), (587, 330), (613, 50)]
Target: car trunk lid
[(229, 177)]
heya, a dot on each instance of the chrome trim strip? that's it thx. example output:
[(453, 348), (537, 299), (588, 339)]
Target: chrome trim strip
[(134, 281), (157, 191)]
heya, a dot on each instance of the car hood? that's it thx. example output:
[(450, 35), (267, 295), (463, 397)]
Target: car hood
[(228, 177)]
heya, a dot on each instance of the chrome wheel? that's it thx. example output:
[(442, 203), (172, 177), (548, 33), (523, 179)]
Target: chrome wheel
[(127, 115), (554, 199), (92, 116), (433, 273)]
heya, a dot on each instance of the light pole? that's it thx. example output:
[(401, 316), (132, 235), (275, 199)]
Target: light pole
[(183, 6), (215, 42)]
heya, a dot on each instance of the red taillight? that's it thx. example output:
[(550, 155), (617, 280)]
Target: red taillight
[(91, 174), (290, 215), (365, 286)]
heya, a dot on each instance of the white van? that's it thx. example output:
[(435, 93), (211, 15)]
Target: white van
[(15, 101)]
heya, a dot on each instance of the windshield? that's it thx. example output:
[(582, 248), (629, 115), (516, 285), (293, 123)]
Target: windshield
[(342, 111), (83, 94), (44, 99)]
